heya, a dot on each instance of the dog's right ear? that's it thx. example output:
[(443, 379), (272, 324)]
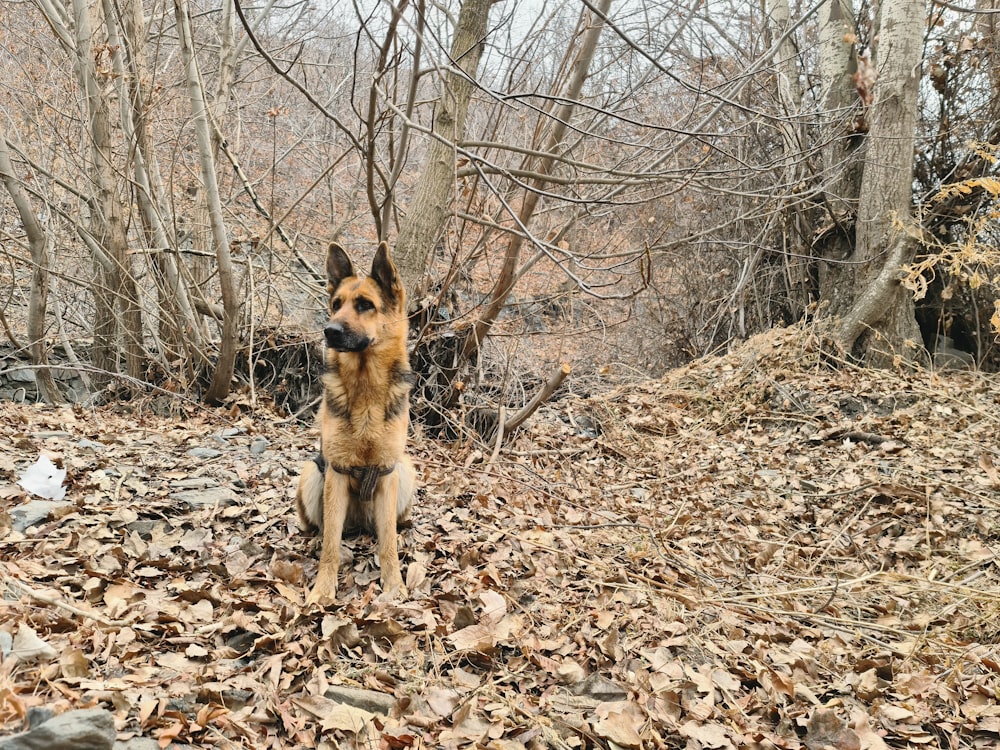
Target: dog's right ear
[(338, 267)]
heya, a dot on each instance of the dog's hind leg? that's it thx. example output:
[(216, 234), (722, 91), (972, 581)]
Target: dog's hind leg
[(407, 490), (309, 495)]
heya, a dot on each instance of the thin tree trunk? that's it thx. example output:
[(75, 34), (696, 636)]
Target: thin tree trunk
[(580, 69), (842, 120), (115, 289), (882, 318), (178, 327), (789, 94), (38, 244), (223, 375), (425, 218)]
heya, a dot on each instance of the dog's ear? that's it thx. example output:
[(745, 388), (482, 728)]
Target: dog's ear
[(338, 267), (384, 274)]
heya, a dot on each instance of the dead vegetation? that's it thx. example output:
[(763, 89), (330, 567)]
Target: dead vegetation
[(760, 550)]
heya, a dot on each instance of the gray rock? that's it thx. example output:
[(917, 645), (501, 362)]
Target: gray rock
[(87, 729), (147, 743), (192, 483), (258, 446), (35, 512), (204, 453), (367, 700), (207, 498), (600, 688), (21, 374), (138, 743)]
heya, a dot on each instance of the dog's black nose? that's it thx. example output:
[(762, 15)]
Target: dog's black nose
[(341, 338), (334, 333)]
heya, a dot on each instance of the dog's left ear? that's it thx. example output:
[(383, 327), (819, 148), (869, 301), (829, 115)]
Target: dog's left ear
[(384, 274)]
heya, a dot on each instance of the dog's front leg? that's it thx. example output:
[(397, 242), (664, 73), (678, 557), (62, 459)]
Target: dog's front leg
[(336, 489), (385, 527)]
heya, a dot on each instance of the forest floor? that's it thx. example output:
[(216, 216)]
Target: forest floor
[(757, 550)]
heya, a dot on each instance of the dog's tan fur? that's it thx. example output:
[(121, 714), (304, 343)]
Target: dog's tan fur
[(363, 422)]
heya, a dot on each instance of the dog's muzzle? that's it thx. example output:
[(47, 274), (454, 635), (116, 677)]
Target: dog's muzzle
[(343, 339)]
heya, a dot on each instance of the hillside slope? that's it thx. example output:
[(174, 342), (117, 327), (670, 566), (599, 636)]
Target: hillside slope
[(758, 550)]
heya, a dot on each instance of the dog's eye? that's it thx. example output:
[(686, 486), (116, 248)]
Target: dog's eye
[(336, 304), (363, 305)]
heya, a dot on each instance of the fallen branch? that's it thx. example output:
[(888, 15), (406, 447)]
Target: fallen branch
[(24, 590), (540, 398)]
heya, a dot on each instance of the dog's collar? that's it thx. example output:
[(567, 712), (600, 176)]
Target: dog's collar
[(367, 477)]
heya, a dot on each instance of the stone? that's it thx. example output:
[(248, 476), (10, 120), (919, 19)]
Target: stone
[(204, 453), (86, 729), (147, 743), (207, 498), (34, 512), (21, 374), (371, 701)]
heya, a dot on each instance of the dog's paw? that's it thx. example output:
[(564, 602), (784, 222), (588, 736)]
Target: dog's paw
[(323, 593), (393, 592)]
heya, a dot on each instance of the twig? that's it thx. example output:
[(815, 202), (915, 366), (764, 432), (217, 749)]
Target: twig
[(24, 590), (501, 432), (540, 398), (843, 433)]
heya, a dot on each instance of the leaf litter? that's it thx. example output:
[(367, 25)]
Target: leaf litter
[(756, 551)]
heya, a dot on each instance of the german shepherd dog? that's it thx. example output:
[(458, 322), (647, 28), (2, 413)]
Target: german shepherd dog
[(362, 479)]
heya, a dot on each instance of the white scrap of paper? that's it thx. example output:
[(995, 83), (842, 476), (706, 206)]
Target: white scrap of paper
[(44, 478)]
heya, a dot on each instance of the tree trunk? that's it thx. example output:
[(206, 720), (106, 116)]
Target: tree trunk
[(842, 133), (116, 299), (876, 317), (789, 93), (225, 364), (38, 244), (425, 218), (179, 332), (593, 24)]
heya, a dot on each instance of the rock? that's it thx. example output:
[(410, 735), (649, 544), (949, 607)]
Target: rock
[(35, 512), (600, 688), (138, 743), (207, 498), (204, 453), (371, 701), (192, 483), (86, 729), (258, 446), (38, 715), (948, 357), (21, 374), (147, 743)]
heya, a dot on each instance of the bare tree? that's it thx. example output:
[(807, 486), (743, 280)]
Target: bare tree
[(38, 243), (881, 311), (223, 374), (426, 213)]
